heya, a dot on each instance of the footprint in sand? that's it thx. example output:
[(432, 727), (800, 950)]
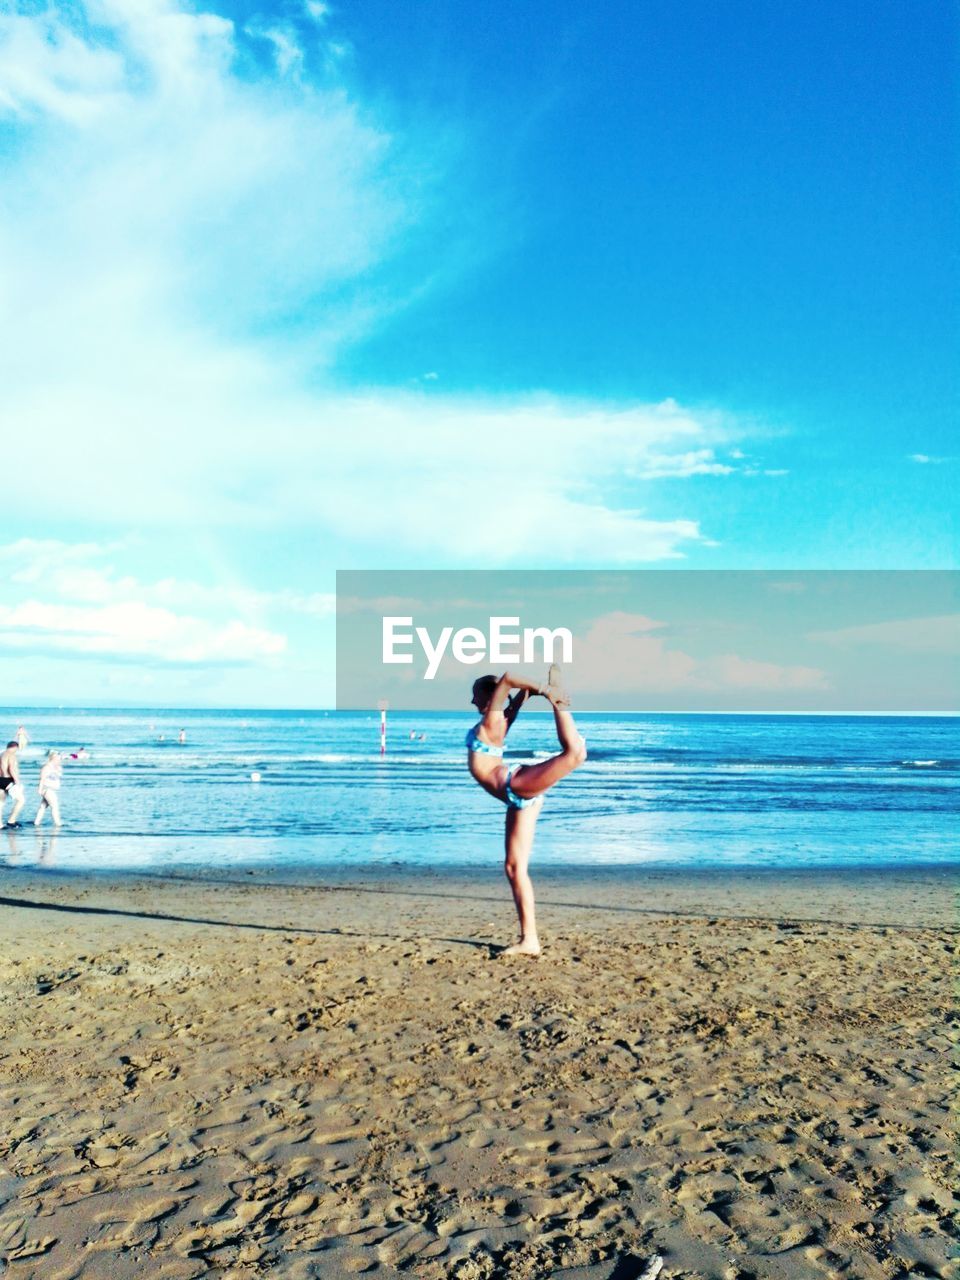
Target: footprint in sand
[(299, 1205)]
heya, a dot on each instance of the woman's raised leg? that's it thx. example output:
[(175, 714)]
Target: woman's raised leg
[(521, 825), (531, 780)]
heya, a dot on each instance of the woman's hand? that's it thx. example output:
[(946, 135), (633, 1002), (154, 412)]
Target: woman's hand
[(556, 697)]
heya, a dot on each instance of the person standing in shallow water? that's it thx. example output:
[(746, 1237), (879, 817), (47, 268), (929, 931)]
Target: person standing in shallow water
[(51, 776), (10, 784), (523, 787)]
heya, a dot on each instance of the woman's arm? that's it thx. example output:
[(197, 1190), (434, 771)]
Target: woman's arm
[(501, 693), (512, 709), (517, 682)]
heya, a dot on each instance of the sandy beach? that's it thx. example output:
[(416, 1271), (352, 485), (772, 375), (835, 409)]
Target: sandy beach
[(247, 1074)]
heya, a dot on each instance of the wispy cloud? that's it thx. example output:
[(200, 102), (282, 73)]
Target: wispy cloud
[(495, 482), (937, 634), (135, 631), (623, 652), (61, 598), (173, 177), (695, 462), (85, 573), (197, 218)]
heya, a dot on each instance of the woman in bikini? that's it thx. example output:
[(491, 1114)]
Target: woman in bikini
[(522, 787)]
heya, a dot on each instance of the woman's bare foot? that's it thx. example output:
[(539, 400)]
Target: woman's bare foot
[(525, 947), (554, 690)]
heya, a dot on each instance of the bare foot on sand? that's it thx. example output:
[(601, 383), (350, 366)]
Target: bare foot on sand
[(525, 947)]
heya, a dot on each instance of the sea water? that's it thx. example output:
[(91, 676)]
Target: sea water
[(663, 790)]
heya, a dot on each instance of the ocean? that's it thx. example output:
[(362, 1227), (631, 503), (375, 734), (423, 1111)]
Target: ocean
[(658, 790)]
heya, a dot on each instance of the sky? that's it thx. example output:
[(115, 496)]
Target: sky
[(298, 288)]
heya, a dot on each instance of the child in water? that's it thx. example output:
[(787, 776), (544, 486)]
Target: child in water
[(50, 777)]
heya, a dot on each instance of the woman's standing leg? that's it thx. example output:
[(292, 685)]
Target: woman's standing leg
[(54, 804), (521, 825)]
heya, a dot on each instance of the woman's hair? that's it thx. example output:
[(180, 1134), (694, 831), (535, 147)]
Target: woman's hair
[(485, 686), (53, 753)]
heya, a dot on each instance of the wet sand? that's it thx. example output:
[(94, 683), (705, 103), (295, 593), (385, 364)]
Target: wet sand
[(253, 1075)]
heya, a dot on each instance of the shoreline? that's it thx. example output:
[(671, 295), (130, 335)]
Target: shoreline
[(868, 894)]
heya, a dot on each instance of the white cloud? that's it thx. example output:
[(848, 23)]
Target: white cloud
[(287, 51), (191, 236), (522, 481), (732, 672), (171, 182), (82, 572), (134, 631), (927, 459), (622, 652), (73, 600), (695, 462), (47, 69), (29, 560)]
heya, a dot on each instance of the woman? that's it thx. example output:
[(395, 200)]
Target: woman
[(521, 788), (51, 776)]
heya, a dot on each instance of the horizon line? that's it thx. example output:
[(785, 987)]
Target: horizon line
[(19, 709)]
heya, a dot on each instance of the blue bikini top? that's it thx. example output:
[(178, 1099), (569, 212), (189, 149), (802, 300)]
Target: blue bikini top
[(475, 743)]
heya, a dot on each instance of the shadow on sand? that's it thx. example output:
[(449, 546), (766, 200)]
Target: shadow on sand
[(25, 904)]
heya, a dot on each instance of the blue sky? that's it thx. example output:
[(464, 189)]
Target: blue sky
[(322, 286)]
